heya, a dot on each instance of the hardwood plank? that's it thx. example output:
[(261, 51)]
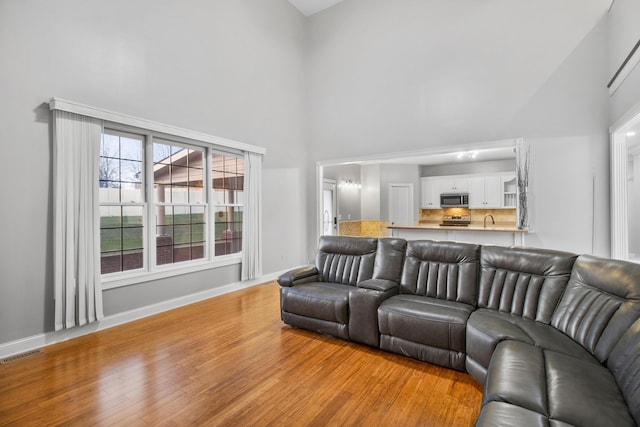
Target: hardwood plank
[(229, 361)]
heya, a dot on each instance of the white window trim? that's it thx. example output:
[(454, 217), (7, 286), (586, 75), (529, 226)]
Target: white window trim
[(213, 142), (124, 119), (138, 276)]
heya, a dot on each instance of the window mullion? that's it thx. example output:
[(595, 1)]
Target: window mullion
[(209, 209), (150, 234)]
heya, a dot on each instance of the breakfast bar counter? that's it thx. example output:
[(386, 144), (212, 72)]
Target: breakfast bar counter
[(497, 234)]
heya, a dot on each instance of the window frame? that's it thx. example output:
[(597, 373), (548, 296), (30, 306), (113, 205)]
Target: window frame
[(214, 204), (151, 269), (155, 203), (142, 204)]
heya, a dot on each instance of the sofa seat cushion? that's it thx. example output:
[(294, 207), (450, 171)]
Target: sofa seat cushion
[(318, 300), (424, 320), (624, 363), (487, 328), (500, 414), (558, 386)]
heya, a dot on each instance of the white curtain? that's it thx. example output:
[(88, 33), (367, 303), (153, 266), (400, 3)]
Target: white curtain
[(251, 224), (77, 290)]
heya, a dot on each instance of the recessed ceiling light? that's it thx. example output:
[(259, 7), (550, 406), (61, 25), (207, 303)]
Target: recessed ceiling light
[(632, 133)]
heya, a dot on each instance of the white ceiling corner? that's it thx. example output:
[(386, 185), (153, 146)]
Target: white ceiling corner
[(309, 7)]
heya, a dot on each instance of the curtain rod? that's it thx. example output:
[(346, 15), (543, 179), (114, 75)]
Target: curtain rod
[(624, 64)]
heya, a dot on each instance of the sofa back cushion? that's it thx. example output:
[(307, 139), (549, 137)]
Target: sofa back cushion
[(389, 258), (443, 270), (346, 260), (624, 363), (601, 301), (525, 282)]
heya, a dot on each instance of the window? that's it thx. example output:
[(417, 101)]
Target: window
[(122, 207), (152, 190), (179, 196), (170, 200), (228, 193)]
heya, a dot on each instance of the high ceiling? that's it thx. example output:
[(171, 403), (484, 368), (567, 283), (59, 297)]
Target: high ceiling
[(400, 81), (309, 7)]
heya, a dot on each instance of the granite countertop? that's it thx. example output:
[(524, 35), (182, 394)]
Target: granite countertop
[(470, 227)]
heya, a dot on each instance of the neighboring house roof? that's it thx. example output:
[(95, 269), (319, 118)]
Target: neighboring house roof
[(184, 167)]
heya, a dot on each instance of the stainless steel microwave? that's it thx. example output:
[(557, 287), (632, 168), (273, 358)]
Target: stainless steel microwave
[(454, 200)]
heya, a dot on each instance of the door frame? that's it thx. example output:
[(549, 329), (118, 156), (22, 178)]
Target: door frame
[(334, 184), (618, 185)]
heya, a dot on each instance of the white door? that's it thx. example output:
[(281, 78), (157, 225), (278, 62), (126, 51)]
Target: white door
[(329, 208), (401, 204)]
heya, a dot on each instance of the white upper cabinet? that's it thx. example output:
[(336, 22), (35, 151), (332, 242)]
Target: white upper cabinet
[(484, 192), (492, 193), (430, 193), (454, 184), (476, 192)]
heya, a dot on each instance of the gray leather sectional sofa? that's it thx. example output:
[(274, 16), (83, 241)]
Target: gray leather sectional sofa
[(554, 337)]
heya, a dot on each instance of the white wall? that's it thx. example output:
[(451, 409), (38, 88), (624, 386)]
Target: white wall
[(398, 76), (561, 196), (371, 203), (228, 68), (348, 199), (407, 75), (494, 166), (371, 192), (565, 123), (624, 33), (282, 223)]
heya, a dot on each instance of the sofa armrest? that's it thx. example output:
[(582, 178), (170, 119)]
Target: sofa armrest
[(363, 313), (290, 278), (378, 284)]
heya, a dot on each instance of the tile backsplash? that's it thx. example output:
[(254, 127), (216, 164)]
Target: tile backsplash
[(501, 216)]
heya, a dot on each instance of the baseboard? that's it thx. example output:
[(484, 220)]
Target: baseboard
[(48, 338)]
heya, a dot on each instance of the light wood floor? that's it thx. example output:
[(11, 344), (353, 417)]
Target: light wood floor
[(228, 361)]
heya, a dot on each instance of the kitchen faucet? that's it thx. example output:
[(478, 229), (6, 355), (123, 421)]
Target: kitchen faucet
[(493, 221)]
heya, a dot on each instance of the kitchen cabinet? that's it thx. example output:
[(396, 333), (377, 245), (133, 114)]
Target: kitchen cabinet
[(454, 184), (493, 191), (485, 192), (430, 193)]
